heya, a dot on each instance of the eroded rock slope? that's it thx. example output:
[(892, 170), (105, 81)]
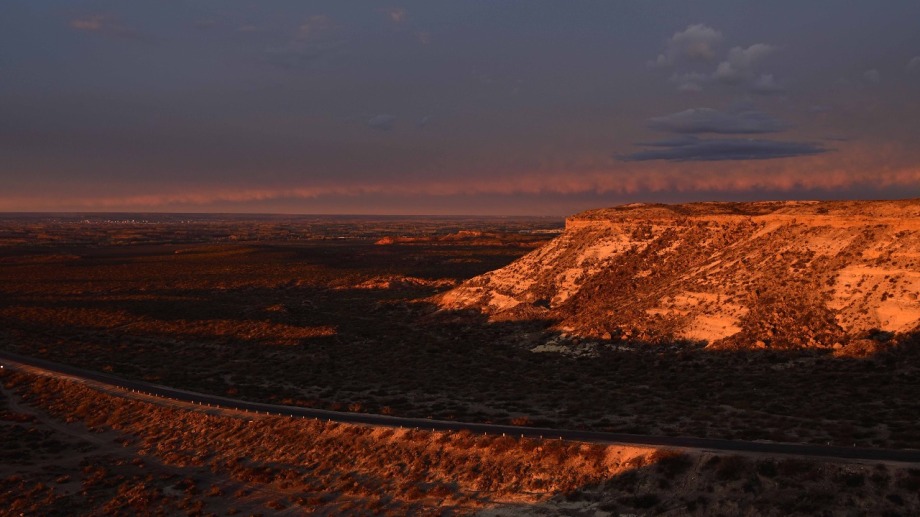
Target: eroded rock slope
[(732, 274)]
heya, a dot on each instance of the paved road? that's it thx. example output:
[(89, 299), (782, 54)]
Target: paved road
[(11, 360)]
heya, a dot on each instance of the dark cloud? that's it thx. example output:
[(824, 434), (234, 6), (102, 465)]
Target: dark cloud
[(707, 120), (382, 122), (694, 149), (671, 142), (689, 82), (766, 85), (873, 76), (914, 63)]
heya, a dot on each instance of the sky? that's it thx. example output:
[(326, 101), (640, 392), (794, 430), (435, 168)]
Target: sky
[(467, 107)]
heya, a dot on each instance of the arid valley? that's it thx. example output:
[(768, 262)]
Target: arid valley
[(414, 258), (752, 322)]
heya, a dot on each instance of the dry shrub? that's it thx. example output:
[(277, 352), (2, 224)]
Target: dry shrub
[(636, 462), (859, 349), (767, 468), (793, 470), (255, 330), (21, 418), (729, 468), (670, 462), (640, 501), (522, 421), (413, 467)]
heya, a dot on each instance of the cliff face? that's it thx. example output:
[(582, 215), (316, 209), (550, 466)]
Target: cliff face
[(733, 274)]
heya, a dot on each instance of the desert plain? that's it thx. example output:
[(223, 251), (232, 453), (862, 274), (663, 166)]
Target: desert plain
[(781, 322)]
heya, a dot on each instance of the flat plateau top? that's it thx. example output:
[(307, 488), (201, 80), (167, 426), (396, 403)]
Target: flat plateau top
[(895, 209)]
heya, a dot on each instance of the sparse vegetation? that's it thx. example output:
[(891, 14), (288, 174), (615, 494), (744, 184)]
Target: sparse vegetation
[(279, 314), (296, 323), (307, 463), (163, 459)]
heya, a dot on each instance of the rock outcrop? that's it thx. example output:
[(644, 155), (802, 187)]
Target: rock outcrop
[(766, 274)]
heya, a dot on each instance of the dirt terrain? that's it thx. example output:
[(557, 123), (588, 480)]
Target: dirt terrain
[(348, 324), (70, 449), (765, 275)]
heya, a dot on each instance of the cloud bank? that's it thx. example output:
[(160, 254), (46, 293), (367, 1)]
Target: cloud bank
[(640, 178), (694, 149), (698, 121), (707, 120)]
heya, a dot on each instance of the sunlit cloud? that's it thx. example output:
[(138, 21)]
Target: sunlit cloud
[(104, 24), (394, 14), (89, 23), (695, 43), (740, 63)]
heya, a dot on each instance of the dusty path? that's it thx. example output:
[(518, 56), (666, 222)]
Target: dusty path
[(126, 387)]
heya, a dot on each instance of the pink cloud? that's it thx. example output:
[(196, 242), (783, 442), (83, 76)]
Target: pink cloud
[(395, 14), (869, 167), (105, 24)]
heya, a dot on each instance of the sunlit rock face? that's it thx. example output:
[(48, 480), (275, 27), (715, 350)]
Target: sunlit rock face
[(765, 274)]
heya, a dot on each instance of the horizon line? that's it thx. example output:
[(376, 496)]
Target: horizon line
[(276, 214)]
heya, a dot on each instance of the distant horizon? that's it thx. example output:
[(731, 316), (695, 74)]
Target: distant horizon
[(76, 213), (429, 215)]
